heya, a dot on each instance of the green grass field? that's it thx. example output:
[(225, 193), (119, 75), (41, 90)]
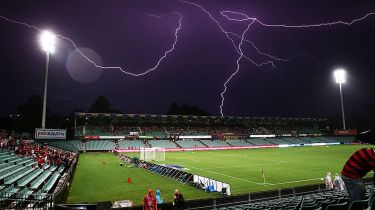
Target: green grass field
[(284, 167)]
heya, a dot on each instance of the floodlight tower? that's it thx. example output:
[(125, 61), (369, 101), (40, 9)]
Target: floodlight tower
[(340, 77), (47, 42)]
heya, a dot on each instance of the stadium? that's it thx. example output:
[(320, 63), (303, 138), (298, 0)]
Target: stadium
[(213, 160), (187, 104)]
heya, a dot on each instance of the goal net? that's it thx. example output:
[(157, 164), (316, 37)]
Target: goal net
[(152, 154)]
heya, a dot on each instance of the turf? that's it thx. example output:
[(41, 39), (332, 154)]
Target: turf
[(99, 177)]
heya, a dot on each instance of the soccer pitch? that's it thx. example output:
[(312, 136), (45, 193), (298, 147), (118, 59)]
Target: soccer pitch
[(99, 177)]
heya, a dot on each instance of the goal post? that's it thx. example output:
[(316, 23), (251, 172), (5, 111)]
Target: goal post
[(152, 154)]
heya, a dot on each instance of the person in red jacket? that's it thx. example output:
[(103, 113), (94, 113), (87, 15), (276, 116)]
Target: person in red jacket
[(357, 166), (40, 161), (149, 201)]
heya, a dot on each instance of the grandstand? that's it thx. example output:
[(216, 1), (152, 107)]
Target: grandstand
[(129, 133), (21, 180)]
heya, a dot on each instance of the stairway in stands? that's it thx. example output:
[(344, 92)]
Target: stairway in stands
[(203, 143)]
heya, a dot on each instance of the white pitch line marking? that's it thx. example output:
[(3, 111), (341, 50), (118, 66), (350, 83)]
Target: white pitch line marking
[(245, 156), (303, 180), (238, 166), (214, 172)]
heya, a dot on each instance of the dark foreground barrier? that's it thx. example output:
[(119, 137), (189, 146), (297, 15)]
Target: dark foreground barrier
[(213, 203)]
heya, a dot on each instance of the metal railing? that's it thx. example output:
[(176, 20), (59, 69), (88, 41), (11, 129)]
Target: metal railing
[(26, 201)]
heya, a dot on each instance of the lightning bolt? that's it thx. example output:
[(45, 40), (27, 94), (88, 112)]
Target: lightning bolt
[(237, 67), (115, 67), (241, 17)]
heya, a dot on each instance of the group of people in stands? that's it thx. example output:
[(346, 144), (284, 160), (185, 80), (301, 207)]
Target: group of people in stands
[(41, 153), (337, 183), (155, 202)]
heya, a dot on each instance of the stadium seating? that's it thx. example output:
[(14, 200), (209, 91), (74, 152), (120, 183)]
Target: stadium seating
[(14, 177), (293, 140), (326, 200), (239, 143), (38, 181), (258, 141), (277, 141), (8, 192), (189, 143), (215, 143), (131, 143), (19, 179), (51, 181), (345, 139), (162, 143), (28, 178), (96, 145)]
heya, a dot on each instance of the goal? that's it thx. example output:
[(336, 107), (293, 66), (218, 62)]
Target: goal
[(152, 154)]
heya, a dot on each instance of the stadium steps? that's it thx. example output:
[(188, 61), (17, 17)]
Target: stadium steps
[(147, 144), (229, 143), (51, 182), (177, 145), (203, 143), (37, 182), (28, 178), (11, 179), (249, 142), (265, 139)]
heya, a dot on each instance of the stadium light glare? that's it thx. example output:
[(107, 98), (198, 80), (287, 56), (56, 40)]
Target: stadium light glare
[(340, 76), (48, 41)]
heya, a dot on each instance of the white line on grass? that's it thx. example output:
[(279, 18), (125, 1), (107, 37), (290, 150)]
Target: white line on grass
[(245, 156), (239, 166), (214, 172), (303, 180)]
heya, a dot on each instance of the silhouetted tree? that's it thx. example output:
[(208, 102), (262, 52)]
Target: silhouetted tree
[(175, 109), (101, 105), (31, 114)]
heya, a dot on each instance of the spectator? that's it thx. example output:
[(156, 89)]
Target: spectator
[(159, 199), (40, 161), (179, 201), (357, 166), (338, 183), (329, 184), (149, 201)]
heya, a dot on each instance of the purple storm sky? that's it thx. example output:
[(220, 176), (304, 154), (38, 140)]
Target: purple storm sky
[(124, 33)]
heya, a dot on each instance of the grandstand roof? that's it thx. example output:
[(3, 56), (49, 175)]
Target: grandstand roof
[(154, 116)]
